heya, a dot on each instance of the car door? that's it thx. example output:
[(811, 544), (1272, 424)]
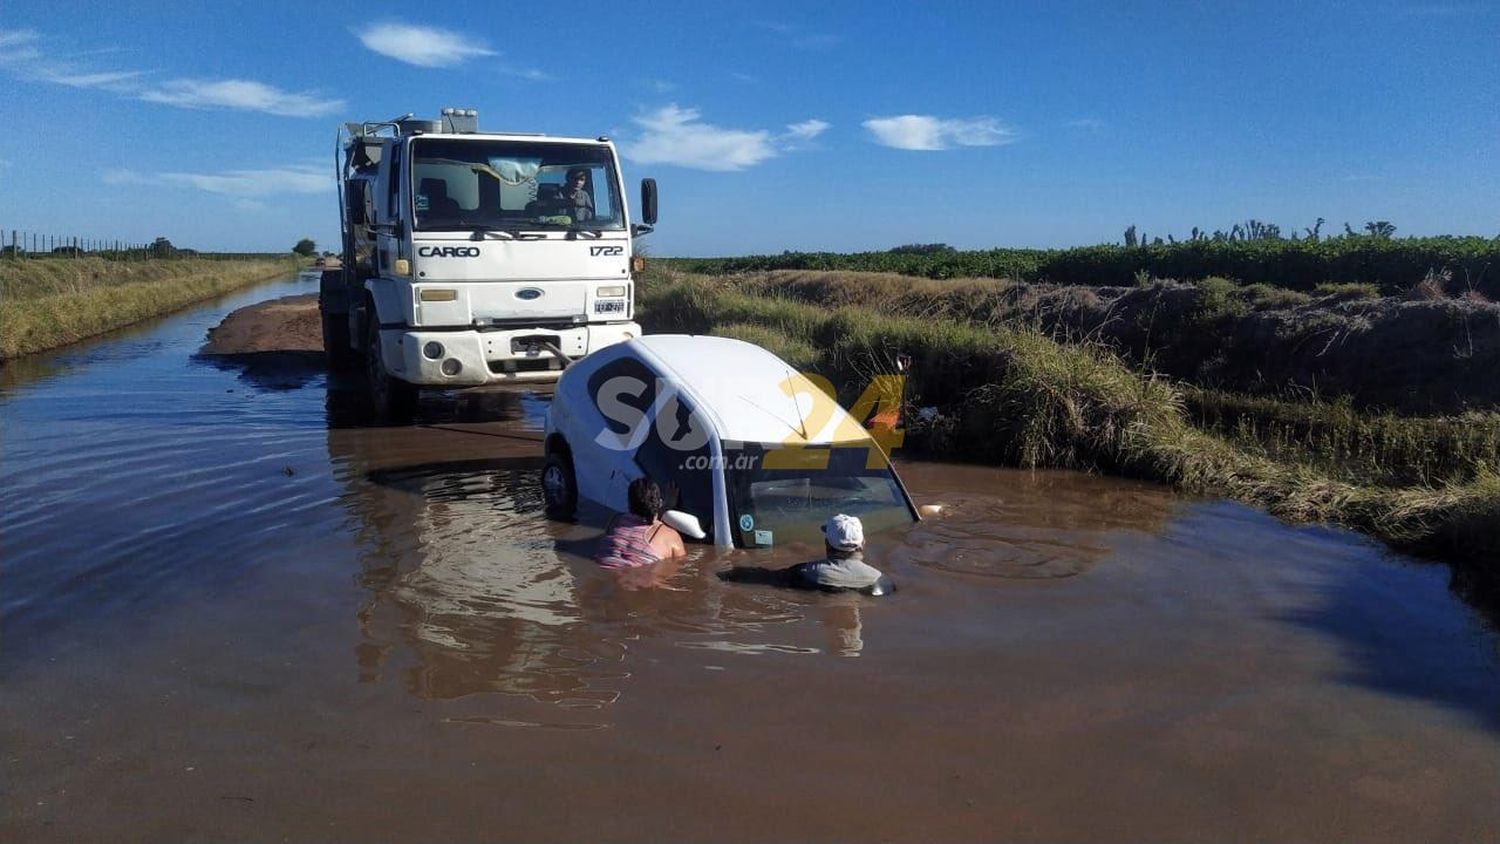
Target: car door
[(621, 394), (675, 451)]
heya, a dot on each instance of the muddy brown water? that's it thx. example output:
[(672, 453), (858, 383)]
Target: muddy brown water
[(232, 610)]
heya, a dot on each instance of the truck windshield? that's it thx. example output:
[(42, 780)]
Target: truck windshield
[(510, 185), (778, 495)]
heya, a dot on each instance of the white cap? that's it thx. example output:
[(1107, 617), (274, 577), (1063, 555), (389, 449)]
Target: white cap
[(844, 533)]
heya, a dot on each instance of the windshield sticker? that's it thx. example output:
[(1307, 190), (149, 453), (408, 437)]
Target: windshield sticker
[(422, 202), (747, 521), (762, 537)]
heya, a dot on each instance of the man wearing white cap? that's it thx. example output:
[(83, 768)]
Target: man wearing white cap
[(845, 569)]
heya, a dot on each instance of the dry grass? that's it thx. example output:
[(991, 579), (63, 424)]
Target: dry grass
[(1346, 443), (46, 303)]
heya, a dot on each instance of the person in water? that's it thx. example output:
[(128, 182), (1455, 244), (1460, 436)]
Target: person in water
[(843, 568), (639, 538)]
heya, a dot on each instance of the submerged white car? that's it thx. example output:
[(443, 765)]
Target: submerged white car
[(759, 454)]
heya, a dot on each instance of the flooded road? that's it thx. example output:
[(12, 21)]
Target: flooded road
[(229, 609)]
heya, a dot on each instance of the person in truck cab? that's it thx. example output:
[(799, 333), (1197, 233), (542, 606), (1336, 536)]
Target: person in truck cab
[(577, 202)]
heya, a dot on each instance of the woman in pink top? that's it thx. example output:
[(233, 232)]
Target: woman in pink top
[(638, 538)]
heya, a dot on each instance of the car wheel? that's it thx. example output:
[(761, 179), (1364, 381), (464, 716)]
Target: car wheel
[(559, 485)]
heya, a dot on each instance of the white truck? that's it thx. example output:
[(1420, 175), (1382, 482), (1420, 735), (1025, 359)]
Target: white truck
[(476, 258)]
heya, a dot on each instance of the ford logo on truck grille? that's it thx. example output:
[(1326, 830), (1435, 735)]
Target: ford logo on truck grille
[(528, 294)]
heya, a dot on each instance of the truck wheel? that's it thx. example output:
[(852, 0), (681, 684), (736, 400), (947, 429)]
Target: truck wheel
[(559, 485), (393, 400), (336, 349)]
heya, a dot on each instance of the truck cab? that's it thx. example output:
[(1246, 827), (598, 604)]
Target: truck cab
[(475, 258)]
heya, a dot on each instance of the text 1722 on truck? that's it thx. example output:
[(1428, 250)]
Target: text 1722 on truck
[(476, 258)]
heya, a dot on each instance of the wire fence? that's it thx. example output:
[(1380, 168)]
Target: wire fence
[(19, 244)]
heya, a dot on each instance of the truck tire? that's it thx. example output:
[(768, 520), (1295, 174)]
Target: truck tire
[(559, 485), (393, 400), (333, 309), (336, 351)]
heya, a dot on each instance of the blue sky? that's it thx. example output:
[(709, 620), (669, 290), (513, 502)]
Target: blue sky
[(772, 126)]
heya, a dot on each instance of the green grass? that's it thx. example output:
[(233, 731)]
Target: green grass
[(1016, 396), (51, 302)]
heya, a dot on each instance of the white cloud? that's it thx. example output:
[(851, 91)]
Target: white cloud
[(530, 74), (114, 80), (423, 46), (675, 135), (925, 132), (19, 45), (123, 177), (807, 129), (20, 51), (244, 94), (799, 37), (244, 185)]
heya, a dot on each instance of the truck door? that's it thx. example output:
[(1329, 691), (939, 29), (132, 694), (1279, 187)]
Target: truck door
[(390, 238)]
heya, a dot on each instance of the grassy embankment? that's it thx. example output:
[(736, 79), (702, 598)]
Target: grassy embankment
[(50, 302), (1012, 394), (1425, 352)]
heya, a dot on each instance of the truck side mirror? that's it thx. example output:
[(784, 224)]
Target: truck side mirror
[(648, 201)]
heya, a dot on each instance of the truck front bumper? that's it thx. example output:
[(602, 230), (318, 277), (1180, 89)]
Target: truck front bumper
[(474, 358)]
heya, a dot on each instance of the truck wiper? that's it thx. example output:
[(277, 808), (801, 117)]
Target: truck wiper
[(574, 231)]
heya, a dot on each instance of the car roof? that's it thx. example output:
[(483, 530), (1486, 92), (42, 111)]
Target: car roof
[(743, 390)]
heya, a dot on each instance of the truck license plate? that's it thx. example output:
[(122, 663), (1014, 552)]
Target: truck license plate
[(609, 306)]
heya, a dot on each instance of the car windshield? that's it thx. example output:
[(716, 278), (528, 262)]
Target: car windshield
[(470, 185), (779, 494)]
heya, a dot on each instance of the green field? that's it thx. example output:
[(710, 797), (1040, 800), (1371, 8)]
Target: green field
[(1393, 265)]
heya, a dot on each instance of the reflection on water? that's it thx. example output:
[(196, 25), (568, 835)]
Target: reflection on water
[(472, 590)]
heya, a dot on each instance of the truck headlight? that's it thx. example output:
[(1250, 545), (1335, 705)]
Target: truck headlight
[(611, 290), (438, 294)]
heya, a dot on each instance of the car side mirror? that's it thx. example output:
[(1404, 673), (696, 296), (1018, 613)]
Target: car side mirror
[(648, 201), (684, 523)]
